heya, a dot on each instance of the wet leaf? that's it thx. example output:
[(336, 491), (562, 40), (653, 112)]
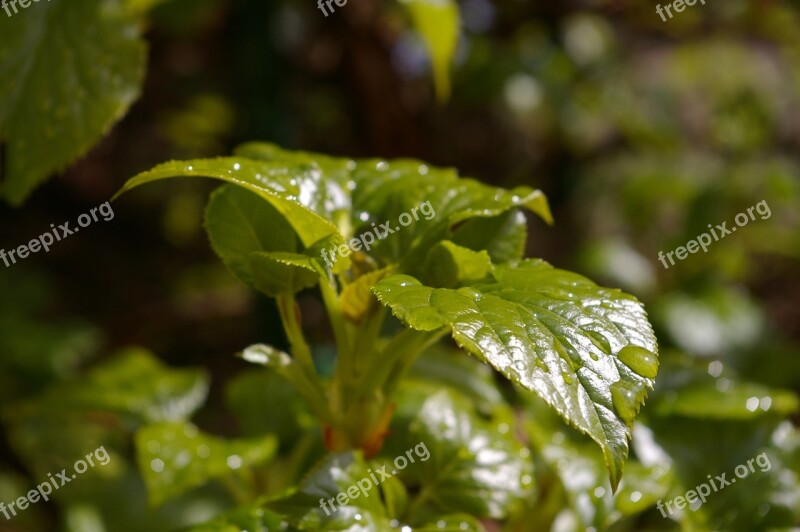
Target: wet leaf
[(473, 465), (553, 332), (308, 507)]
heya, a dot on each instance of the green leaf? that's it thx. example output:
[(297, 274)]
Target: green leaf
[(357, 300), (176, 457), (291, 370), (686, 387), (133, 388), (727, 400), (579, 466), (240, 223), (251, 396), (308, 506), (377, 191), (132, 383), (588, 351), (449, 265), (437, 21), (298, 192), (700, 448), (474, 465), (452, 523), (447, 366), (503, 237), (246, 519), (328, 201), (277, 273), (68, 72)]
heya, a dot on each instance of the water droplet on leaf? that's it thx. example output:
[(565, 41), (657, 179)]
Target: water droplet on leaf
[(626, 398), (639, 360)]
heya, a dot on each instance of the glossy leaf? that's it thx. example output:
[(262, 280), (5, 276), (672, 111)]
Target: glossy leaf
[(432, 201), (303, 506), (298, 192), (581, 470), (474, 466), (176, 457), (588, 351), (447, 366), (68, 72)]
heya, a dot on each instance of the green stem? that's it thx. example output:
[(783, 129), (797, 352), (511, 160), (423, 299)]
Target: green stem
[(396, 359), (287, 306), (330, 298)]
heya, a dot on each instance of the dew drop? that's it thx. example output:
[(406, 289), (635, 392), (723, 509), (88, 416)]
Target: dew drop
[(471, 293), (639, 360), (600, 342), (625, 398)]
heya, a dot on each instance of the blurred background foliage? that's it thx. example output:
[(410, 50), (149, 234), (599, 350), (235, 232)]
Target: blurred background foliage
[(641, 132)]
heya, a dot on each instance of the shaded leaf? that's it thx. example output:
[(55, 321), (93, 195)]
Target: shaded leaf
[(503, 237), (68, 72), (132, 383), (176, 457), (246, 519), (252, 396), (449, 265), (437, 21)]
